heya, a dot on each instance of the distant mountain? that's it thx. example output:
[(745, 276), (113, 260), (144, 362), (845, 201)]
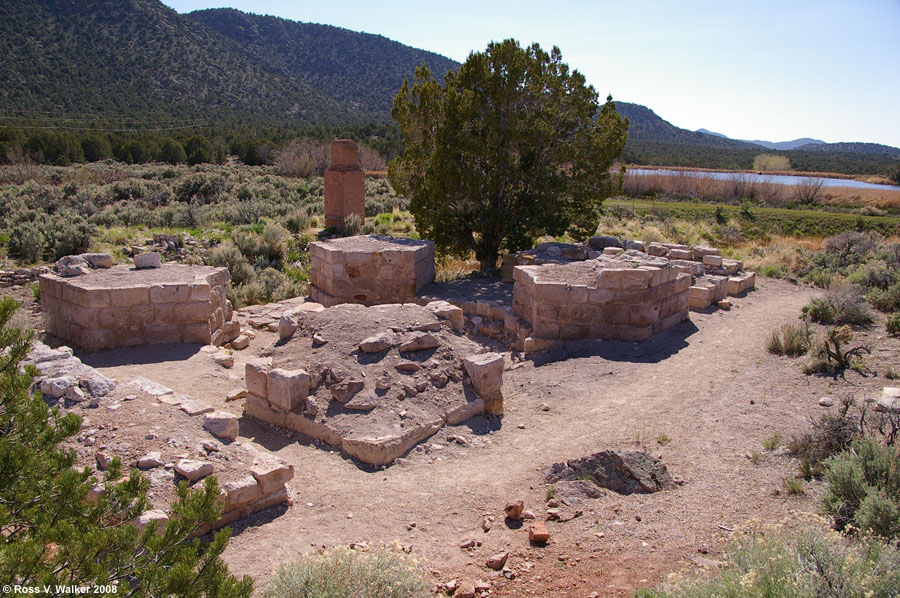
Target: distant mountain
[(708, 132), (645, 125), (788, 145), (140, 58), (854, 148), (362, 70)]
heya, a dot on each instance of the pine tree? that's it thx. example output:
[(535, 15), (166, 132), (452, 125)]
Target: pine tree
[(510, 148), (52, 534)]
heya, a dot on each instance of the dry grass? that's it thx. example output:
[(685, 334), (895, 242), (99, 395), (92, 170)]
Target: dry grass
[(685, 185), (449, 268)]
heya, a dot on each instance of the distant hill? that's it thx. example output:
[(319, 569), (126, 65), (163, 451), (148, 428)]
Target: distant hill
[(140, 58), (804, 142), (654, 141), (362, 70)]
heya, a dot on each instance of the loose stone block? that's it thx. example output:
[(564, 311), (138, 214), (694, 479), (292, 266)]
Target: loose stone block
[(271, 475), (221, 424), (486, 372), (714, 261), (147, 260), (286, 389)]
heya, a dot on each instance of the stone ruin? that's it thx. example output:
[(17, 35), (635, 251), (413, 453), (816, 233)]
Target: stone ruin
[(374, 381), (624, 298), (345, 186), (613, 290), (97, 306), (369, 270)]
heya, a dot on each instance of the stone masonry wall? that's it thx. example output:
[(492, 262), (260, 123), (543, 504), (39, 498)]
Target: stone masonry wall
[(122, 307), (369, 270), (620, 298)]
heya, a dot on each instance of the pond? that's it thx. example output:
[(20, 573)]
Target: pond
[(778, 179)]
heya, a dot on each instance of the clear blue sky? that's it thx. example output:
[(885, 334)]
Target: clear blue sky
[(772, 70)]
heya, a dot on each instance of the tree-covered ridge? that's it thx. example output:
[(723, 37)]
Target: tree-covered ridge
[(362, 69), (138, 58)]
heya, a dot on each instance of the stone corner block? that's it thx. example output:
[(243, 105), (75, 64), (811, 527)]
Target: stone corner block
[(286, 389)]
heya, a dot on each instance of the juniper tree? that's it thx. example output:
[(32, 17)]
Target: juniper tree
[(511, 147), (52, 534)]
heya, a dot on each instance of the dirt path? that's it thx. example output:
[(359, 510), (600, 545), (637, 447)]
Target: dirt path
[(701, 395)]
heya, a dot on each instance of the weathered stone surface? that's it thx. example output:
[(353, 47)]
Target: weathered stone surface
[(57, 387), (256, 375), (889, 401), (287, 388), (75, 394), (271, 474), (221, 424), (98, 260), (448, 311), (241, 492), (378, 343), (538, 532), (465, 589), (514, 510), (601, 243), (497, 561), (193, 407), (486, 372), (147, 260), (419, 341), (241, 342), (345, 390), (193, 470), (625, 472), (154, 517), (224, 359), (150, 460)]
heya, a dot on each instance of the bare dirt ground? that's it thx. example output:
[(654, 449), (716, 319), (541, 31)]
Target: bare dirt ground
[(703, 395)]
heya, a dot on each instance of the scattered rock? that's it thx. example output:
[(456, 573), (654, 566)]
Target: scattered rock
[(193, 407), (538, 532), (545, 407), (466, 589), (221, 424), (378, 343), (75, 394), (153, 517), (241, 342), (57, 387), (625, 472), (236, 394), (344, 391), (528, 514), (102, 460), (497, 561), (150, 460), (193, 470), (408, 366), (224, 359), (419, 341), (826, 402), (514, 510)]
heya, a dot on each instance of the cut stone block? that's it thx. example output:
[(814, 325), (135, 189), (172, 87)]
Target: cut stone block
[(193, 470), (221, 424), (271, 474), (486, 372), (287, 389), (256, 374), (147, 260)]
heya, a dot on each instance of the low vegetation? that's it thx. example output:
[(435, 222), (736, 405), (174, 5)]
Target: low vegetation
[(775, 562), (790, 340), (341, 572)]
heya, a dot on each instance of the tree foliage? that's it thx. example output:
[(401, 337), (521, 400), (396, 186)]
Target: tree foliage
[(512, 147), (51, 533)]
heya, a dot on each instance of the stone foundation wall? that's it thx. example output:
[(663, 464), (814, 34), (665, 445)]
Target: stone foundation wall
[(122, 307), (369, 270), (624, 301)]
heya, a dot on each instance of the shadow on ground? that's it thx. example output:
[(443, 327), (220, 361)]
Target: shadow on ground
[(661, 346), (143, 354)]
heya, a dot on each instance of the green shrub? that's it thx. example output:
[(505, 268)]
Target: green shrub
[(69, 234), (886, 300), (344, 573), (798, 563), (229, 256), (893, 324), (789, 340), (863, 488), (819, 310), (26, 242), (352, 225)]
